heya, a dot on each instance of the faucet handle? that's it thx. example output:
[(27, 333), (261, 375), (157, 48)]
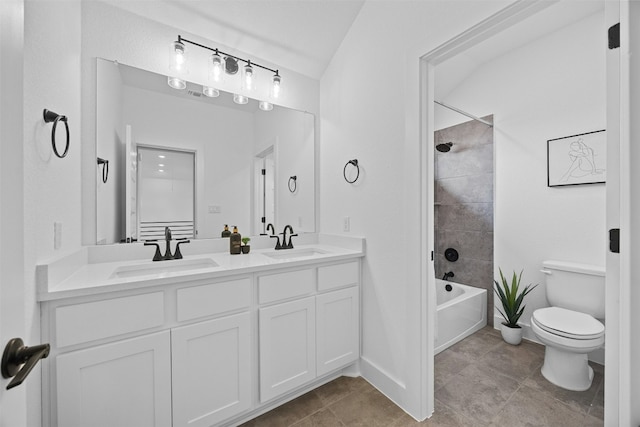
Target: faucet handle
[(177, 254), (158, 255), (278, 245)]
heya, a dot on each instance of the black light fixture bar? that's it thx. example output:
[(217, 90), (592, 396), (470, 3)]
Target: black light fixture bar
[(247, 61)]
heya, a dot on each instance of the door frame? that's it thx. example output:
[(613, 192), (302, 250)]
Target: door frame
[(505, 18)]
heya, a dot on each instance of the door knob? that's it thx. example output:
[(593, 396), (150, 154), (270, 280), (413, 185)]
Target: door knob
[(18, 360)]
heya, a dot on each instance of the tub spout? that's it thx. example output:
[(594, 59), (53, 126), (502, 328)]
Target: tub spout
[(448, 275)]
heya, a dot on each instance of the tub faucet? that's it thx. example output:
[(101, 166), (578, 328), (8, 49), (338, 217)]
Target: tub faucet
[(448, 275)]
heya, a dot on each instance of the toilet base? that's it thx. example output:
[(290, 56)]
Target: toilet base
[(568, 370)]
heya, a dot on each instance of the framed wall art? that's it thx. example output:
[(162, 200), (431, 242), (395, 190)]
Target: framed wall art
[(577, 159)]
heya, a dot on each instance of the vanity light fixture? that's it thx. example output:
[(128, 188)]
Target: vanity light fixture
[(220, 63), (210, 92), (240, 99), (265, 106)]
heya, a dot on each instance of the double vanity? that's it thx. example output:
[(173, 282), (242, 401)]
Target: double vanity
[(209, 340)]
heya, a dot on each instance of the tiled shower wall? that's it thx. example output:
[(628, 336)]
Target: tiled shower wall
[(464, 205)]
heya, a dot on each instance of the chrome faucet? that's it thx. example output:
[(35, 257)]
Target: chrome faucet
[(167, 252)]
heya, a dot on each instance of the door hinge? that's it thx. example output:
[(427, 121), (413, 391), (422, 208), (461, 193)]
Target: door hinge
[(614, 36), (614, 240), (431, 255), (263, 219), (264, 171)]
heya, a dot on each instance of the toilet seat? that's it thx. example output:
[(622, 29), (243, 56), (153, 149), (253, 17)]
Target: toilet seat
[(568, 323)]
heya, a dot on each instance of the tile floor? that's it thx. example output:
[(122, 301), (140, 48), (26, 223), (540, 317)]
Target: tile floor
[(481, 381)]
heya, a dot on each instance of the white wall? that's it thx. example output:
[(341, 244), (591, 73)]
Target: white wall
[(549, 88), (294, 157), (370, 111), (51, 185), (112, 33)]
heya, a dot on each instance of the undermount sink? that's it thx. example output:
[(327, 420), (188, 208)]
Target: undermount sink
[(162, 267), (295, 253)]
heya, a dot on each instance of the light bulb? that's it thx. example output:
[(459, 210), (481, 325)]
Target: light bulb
[(217, 67), (210, 92), (265, 106), (178, 57), (176, 82), (248, 77), (276, 86), (240, 99)]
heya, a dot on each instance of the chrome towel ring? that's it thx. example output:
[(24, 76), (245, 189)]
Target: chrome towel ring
[(353, 162), (292, 187)]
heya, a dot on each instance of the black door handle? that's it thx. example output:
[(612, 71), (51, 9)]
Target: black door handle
[(15, 355)]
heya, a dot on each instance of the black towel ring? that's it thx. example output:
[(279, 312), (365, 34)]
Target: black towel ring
[(50, 116), (105, 169), (353, 162), (293, 178)]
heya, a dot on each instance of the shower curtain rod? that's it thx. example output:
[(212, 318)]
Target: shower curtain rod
[(464, 113)]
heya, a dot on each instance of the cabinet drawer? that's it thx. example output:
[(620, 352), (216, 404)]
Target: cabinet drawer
[(208, 300), (91, 321), (338, 276), (275, 287)]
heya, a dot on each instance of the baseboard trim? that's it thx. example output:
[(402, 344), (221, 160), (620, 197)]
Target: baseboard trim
[(385, 383)]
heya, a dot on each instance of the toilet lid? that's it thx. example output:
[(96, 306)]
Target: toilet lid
[(568, 323)]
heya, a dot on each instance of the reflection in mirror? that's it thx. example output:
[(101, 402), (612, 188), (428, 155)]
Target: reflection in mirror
[(231, 144), (166, 183)]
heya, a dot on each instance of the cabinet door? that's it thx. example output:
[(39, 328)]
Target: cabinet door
[(337, 320), (211, 370), (287, 347), (126, 383)]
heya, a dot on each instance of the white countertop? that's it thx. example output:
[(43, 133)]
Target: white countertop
[(92, 270)]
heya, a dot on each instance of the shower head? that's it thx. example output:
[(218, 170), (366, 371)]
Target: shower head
[(443, 148)]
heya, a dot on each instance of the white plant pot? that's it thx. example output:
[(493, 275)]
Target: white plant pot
[(511, 336)]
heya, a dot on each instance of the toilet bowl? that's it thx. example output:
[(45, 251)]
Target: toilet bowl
[(569, 328), (568, 336)]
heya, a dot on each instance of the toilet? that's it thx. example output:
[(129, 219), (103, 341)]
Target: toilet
[(570, 328)]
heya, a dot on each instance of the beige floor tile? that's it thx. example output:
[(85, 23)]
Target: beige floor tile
[(578, 400), (288, 413), (371, 409), (447, 365), (477, 394), (533, 408), (515, 361), (341, 387), (322, 418)]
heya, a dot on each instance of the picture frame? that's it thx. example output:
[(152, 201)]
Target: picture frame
[(577, 159)]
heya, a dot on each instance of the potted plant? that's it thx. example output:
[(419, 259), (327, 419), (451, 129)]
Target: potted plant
[(511, 298), (245, 247)]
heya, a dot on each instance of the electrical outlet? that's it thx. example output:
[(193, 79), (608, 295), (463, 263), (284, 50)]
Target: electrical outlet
[(346, 223), (215, 209)]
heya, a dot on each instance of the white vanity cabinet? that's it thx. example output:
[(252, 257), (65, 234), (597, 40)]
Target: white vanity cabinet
[(126, 383), (215, 350), (307, 336)]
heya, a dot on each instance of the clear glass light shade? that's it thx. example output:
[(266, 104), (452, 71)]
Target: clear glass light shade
[(265, 106), (276, 87), (211, 92), (240, 99), (176, 82), (248, 78), (216, 68), (178, 61)]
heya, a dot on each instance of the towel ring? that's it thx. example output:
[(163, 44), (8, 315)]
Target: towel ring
[(293, 178), (50, 116), (353, 162), (105, 169)]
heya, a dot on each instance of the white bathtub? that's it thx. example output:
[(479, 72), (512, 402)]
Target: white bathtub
[(461, 312)]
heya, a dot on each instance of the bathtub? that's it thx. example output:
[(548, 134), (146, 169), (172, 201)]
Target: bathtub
[(461, 312)]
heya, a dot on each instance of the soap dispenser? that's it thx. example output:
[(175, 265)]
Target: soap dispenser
[(226, 232), (235, 242)]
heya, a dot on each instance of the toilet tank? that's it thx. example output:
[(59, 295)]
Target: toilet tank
[(578, 287)]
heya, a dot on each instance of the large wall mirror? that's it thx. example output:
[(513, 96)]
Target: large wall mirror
[(181, 159)]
